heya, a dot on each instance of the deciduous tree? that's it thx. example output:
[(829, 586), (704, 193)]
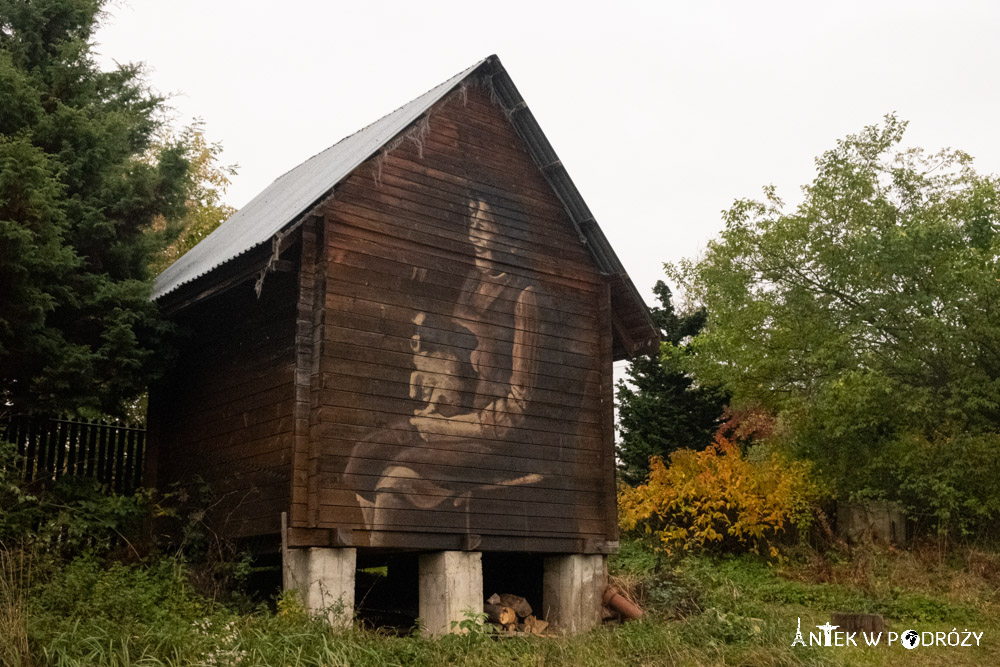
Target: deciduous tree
[(867, 312), (204, 209)]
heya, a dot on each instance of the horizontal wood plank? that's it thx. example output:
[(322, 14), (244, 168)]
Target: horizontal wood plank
[(404, 408), (341, 354), (367, 385), (336, 373)]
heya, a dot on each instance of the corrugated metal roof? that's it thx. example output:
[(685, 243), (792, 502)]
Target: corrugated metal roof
[(295, 192)]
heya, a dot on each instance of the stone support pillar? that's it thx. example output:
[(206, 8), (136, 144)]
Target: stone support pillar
[(450, 587), (572, 587), (324, 578)]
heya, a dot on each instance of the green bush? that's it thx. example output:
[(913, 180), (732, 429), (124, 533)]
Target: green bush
[(67, 518), (951, 484), (121, 595)]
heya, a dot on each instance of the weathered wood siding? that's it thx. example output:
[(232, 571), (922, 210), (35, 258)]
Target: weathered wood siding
[(226, 413), (512, 346)]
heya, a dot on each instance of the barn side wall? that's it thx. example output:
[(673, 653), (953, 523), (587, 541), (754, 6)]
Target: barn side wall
[(465, 395), (225, 414)]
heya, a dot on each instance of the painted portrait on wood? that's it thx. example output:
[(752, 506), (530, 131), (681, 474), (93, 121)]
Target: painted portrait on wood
[(470, 387)]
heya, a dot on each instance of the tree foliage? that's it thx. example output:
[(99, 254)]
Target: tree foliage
[(947, 482), (80, 186), (868, 312), (204, 209), (660, 407)]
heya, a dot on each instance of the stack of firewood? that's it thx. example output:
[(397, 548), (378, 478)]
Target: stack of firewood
[(513, 614)]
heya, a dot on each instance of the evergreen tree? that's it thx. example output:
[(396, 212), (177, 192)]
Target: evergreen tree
[(80, 186), (661, 408)]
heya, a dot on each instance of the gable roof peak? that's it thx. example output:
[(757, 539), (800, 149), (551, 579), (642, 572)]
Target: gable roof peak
[(296, 192)]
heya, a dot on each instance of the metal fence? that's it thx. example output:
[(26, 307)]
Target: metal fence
[(51, 448)]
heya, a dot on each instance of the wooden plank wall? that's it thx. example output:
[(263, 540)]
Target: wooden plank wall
[(228, 407), (400, 263)]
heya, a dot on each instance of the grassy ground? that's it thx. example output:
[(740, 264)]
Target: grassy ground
[(702, 611)]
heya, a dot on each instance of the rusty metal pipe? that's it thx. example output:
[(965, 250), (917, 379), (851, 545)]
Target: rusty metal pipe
[(615, 600)]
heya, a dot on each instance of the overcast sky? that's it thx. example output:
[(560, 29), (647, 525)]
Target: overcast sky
[(662, 112)]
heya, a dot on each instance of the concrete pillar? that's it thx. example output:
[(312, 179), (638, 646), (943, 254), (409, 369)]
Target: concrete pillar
[(450, 586), (325, 581), (572, 587)]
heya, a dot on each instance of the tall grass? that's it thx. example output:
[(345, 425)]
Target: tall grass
[(700, 612), (261, 640), (15, 576)]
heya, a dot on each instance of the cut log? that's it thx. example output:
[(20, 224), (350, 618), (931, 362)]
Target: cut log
[(492, 612), (494, 600), (517, 603), (539, 626), (508, 617), (534, 626), (529, 624), (500, 615)]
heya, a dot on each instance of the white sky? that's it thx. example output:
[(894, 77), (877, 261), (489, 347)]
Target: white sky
[(663, 112)]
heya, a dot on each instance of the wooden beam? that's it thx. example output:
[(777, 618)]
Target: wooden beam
[(302, 378), (621, 331), (413, 540), (319, 537), (605, 320), (299, 538), (317, 322)]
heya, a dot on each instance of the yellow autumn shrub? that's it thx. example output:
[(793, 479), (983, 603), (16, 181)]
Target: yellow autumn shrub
[(718, 498)]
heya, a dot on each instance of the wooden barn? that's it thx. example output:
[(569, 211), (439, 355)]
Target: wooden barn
[(404, 345)]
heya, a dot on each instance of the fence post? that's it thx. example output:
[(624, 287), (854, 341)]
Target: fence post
[(60, 449)]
